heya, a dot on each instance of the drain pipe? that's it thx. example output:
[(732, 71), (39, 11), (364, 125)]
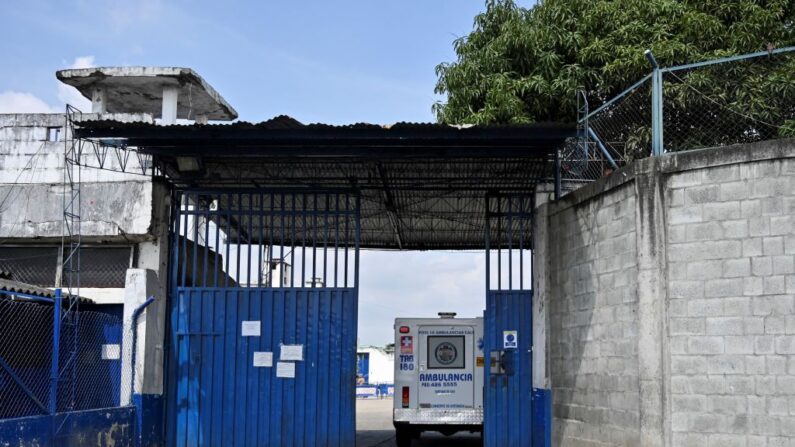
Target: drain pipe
[(136, 313)]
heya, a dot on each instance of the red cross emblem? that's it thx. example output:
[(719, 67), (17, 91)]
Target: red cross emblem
[(406, 344)]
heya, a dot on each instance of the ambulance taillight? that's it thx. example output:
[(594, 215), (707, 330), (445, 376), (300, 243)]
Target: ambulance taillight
[(405, 397)]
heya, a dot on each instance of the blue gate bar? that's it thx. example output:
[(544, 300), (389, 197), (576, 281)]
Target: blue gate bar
[(602, 148), (27, 296), (724, 60), (21, 384), (56, 351)]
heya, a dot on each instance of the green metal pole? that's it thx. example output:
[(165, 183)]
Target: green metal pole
[(656, 105), (657, 113)]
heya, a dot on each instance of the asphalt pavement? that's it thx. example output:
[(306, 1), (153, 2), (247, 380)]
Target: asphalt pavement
[(374, 428)]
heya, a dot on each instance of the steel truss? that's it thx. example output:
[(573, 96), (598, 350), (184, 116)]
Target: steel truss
[(79, 153)]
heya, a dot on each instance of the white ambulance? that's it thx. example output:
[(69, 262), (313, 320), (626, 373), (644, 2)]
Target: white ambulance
[(438, 376)]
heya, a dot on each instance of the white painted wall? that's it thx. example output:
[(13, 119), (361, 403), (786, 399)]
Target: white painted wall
[(382, 365), (32, 188)]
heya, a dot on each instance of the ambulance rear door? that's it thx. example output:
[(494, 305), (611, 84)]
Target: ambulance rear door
[(446, 366)]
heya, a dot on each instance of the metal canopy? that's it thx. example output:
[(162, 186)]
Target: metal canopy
[(422, 186)]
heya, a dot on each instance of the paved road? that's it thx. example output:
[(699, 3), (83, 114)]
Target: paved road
[(374, 428)]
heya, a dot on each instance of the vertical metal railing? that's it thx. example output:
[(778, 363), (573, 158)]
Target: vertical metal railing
[(265, 238), (70, 267), (508, 241)]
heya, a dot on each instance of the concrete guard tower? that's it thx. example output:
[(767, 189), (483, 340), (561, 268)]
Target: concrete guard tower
[(167, 93), (136, 94)]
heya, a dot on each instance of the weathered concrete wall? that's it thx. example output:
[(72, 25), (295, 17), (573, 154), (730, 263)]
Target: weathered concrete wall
[(731, 302), (670, 297), (593, 324), (115, 206)]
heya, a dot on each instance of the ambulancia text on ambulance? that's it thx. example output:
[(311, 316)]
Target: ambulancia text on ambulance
[(438, 376)]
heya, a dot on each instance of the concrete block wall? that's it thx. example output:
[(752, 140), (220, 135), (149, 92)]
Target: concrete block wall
[(706, 276), (593, 323), (731, 303)]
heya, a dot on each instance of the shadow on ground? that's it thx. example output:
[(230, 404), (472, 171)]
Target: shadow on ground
[(374, 429), (386, 438)]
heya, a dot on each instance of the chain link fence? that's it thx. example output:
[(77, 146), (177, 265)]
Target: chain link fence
[(734, 100), (101, 267), (741, 101), (623, 127), (89, 362), (611, 136), (26, 355)]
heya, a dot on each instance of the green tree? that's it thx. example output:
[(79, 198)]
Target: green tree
[(523, 65)]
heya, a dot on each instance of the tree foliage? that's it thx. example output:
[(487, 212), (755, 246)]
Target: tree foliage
[(525, 65)]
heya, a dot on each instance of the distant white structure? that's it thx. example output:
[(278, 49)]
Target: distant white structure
[(375, 365)]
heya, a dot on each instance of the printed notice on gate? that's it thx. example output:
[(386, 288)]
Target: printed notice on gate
[(111, 352), (263, 359), (285, 369), (249, 328), (510, 339), (292, 352)]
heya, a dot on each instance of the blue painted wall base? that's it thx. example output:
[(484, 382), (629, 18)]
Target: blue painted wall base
[(94, 428), (149, 417), (542, 417)]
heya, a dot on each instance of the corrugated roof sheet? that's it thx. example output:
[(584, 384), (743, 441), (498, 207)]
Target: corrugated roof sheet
[(285, 122), (425, 181), (11, 286)]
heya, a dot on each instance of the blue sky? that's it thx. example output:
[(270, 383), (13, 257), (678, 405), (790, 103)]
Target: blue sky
[(319, 61), (337, 62)]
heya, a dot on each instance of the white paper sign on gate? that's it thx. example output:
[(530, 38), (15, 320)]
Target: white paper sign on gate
[(292, 352), (285, 370), (250, 328), (111, 352), (263, 359)]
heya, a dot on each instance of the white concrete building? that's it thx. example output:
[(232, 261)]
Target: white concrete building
[(121, 214), (375, 365), (121, 224)]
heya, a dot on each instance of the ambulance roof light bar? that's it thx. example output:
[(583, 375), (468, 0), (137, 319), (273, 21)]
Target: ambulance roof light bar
[(447, 314)]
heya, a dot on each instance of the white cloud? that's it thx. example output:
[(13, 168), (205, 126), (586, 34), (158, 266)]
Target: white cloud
[(22, 102), (68, 94), (83, 62), (417, 284)]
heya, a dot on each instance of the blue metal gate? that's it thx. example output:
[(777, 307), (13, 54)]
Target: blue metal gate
[(263, 319), (508, 326), (508, 392)]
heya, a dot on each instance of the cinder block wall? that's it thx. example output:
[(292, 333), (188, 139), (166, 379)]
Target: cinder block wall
[(593, 322), (731, 303), (669, 299)]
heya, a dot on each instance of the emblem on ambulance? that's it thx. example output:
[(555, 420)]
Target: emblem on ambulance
[(406, 344), (446, 353)]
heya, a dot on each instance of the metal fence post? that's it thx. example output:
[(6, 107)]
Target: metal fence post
[(656, 106), (56, 351), (558, 174)]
